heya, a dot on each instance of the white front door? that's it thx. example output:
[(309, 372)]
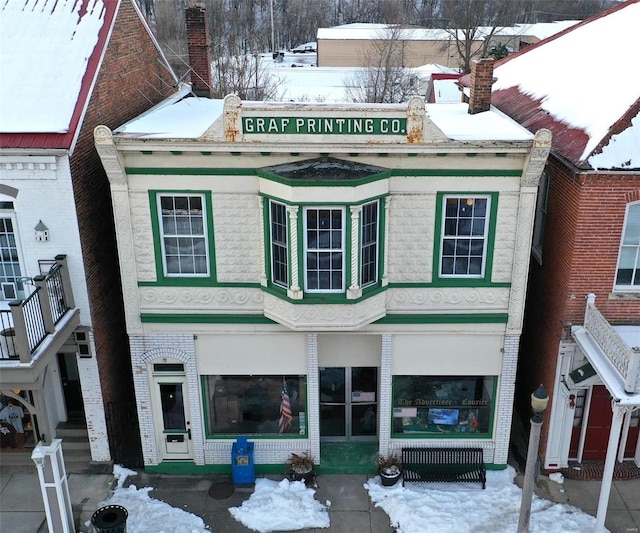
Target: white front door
[(173, 420)]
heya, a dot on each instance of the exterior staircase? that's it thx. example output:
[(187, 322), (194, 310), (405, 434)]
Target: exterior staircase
[(75, 446)]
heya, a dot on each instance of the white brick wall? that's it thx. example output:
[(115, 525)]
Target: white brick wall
[(238, 237), (411, 225), (506, 393), (94, 405)]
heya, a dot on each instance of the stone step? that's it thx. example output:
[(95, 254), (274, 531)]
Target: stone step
[(75, 443)]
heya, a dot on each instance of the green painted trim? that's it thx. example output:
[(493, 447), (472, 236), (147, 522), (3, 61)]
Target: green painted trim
[(265, 153), (146, 152), (494, 466), (414, 172), (176, 152), (471, 154), (172, 318), (451, 282), (469, 318), (206, 153), (323, 182), (196, 282), (181, 281)]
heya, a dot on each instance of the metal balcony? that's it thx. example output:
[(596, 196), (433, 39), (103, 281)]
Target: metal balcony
[(30, 325)]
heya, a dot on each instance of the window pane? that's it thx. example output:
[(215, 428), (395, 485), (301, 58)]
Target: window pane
[(442, 405), (628, 274), (184, 238), (279, 245), (253, 405), (9, 264), (465, 229), (172, 406), (324, 256)]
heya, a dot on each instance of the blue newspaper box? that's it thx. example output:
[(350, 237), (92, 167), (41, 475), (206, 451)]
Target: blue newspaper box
[(243, 471)]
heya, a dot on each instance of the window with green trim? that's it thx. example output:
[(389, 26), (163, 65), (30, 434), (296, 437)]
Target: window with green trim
[(324, 249), (369, 245), (463, 242), (326, 243), (279, 244), (442, 406), (183, 235)]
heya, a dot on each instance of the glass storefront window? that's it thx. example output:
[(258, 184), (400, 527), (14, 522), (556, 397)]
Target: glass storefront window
[(443, 406), (256, 405)]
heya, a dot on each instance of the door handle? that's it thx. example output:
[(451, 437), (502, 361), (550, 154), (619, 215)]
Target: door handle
[(189, 433)]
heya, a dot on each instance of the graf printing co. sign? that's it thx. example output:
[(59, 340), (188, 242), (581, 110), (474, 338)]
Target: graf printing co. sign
[(324, 126)]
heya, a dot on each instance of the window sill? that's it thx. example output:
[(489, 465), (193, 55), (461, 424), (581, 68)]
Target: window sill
[(625, 296)]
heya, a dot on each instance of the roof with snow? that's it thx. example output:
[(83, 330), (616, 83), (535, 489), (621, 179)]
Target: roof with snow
[(586, 93), (50, 55)]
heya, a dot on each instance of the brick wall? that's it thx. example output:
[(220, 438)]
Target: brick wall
[(580, 253), (132, 78)]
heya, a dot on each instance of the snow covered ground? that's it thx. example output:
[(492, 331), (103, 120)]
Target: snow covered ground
[(419, 508)]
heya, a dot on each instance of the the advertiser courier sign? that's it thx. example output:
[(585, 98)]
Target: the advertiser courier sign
[(324, 126)]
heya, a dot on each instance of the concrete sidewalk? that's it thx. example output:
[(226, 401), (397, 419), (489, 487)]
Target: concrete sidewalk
[(21, 508)]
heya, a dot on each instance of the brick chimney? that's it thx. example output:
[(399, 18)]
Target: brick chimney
[(199, 45), (480, 85)]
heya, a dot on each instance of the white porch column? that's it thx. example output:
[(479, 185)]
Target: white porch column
[(607, 476)]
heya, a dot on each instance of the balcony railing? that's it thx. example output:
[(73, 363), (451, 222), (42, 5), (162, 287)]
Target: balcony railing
[(625, 360), (27, 323)]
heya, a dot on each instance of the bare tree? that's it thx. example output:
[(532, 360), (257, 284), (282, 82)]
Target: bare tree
[(473, 23), (384, 78), (243, 75)]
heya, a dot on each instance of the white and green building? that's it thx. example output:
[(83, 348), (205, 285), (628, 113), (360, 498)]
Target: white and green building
[(373, 258)]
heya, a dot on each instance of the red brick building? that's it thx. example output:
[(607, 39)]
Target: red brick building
[(100, 64), (586, 238)]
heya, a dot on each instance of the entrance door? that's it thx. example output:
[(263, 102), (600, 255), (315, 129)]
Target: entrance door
[(348, 403), (71, 385), (171, 409)]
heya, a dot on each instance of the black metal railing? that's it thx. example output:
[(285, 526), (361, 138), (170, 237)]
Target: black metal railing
[(34, 320), (55, 289), (27, 323), (7, 336)]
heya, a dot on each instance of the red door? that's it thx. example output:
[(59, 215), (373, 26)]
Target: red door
[(597, 437)]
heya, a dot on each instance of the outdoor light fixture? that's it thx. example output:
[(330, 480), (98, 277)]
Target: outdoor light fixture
[(42, 232), (539, 402)]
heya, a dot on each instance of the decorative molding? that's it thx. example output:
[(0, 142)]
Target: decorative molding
[(108, 155), (325, 317), (200, 299), (447, 299), (537, 158)]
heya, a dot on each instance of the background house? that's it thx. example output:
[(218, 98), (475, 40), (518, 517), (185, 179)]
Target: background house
[(64, 356), (586, 239), (338, 279)]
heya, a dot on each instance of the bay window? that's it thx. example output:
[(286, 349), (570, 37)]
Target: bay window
[(324, 249)]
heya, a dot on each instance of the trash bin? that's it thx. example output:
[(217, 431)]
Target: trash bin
[(243, 471), (110, 519)]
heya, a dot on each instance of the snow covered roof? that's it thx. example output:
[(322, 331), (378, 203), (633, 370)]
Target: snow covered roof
[(190, 118), (586, 93), (47, 51)]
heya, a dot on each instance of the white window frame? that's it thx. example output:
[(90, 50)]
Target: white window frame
[(341, 249), (484, 237), (273, 245), (375, 242), (16, 280), (633, 248), (163, 236)]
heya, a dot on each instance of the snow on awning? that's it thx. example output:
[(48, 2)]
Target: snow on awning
[(603, 366)]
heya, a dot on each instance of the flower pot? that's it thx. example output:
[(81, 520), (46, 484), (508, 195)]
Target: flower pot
[(389, 480)]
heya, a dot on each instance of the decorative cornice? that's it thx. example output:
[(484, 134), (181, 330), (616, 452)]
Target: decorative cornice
[(447, 299), (207, 299)]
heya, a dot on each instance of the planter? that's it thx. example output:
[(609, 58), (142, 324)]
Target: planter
[(388, 480)]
